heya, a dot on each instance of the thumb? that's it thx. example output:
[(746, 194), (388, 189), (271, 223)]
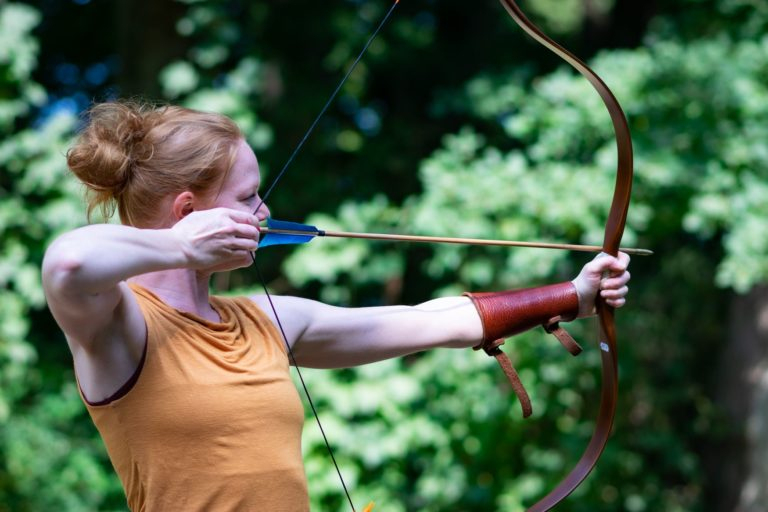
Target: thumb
[(605, 263)]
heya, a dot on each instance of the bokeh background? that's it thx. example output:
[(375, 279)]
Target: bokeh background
[(457, 124)]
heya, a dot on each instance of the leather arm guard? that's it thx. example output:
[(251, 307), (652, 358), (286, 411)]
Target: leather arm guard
[(507, 313), (504, 314)]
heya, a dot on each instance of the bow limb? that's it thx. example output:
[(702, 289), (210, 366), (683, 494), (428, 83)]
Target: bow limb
[(614, 230)]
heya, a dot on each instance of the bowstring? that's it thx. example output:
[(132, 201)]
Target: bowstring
[(304, 386), (327, 105), (253, 255)]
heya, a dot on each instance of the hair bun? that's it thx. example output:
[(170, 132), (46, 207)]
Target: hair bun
[(105, 156)]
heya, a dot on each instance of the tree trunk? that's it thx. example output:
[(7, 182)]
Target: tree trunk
[(147, 42), (741, 471)]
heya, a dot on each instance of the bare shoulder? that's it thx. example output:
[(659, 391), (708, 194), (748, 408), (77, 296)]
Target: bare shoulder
[(291, 315)]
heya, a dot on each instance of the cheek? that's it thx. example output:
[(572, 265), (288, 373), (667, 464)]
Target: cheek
[(235, 203)]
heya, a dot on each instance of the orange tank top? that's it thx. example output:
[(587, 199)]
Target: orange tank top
[(213, 421)]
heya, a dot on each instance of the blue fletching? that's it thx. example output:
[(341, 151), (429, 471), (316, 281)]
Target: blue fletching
[(283, 239), (287, 238), (293, 226)]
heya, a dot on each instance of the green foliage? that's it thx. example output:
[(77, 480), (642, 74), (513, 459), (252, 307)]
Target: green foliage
[(728, 111), (232, 97), (46, 461), (18, 57), (45, 452), (13, 351), (336, 262), (699, 133), (566, 17), (409, 426), (236, 84)]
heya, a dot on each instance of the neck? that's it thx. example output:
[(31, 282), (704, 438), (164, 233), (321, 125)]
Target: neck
[(182, 289)]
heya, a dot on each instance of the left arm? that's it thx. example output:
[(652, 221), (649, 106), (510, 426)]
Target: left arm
[(323, 336)]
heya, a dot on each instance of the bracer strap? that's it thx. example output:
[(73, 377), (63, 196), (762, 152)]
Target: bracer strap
[(507, 313)]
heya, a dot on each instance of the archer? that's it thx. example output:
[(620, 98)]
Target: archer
[(191, 392)]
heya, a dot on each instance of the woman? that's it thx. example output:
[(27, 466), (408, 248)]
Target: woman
[(191, 392)]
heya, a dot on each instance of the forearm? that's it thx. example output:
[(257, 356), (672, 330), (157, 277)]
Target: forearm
[(343, 337), (449, 322), (95, 258)]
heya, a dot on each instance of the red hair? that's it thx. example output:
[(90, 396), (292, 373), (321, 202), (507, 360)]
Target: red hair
[(131, 156)]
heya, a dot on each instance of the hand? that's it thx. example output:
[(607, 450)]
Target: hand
[(604, 274), (217, 239)]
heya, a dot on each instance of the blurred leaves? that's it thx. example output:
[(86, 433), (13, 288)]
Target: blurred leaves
[(45, 442), (18, 57), (19, 51), (37, 200)]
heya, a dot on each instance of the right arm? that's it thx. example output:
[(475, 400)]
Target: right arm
[(84, 273)]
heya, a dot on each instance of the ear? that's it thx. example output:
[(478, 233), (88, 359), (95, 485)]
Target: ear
[(183, 205)]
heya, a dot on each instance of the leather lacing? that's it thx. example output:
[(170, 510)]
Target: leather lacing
[(493, 349)]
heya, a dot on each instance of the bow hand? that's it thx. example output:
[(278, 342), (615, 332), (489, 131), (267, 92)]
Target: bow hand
[(607, 275)]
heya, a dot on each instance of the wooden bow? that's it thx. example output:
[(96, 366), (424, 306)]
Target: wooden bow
[(614, 230), (613, 233)]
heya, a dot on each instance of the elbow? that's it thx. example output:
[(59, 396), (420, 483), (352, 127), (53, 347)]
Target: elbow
[(62, 264)]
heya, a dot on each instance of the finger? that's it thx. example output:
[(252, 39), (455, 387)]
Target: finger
[(615, 282), (231, 228), (246, 231), (618, 293), (616, 303), (605, 260), (602, 265), (242, 217), (624, 258), (612, 267), (621, 262), (243, 244)]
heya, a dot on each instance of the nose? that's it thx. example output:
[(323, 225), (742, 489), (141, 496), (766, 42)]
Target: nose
[(263, 210)]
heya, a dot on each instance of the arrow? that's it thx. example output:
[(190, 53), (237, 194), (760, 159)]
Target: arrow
[(279, 232)]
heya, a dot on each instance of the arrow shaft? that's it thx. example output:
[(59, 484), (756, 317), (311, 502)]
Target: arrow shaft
[(451, 240)]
